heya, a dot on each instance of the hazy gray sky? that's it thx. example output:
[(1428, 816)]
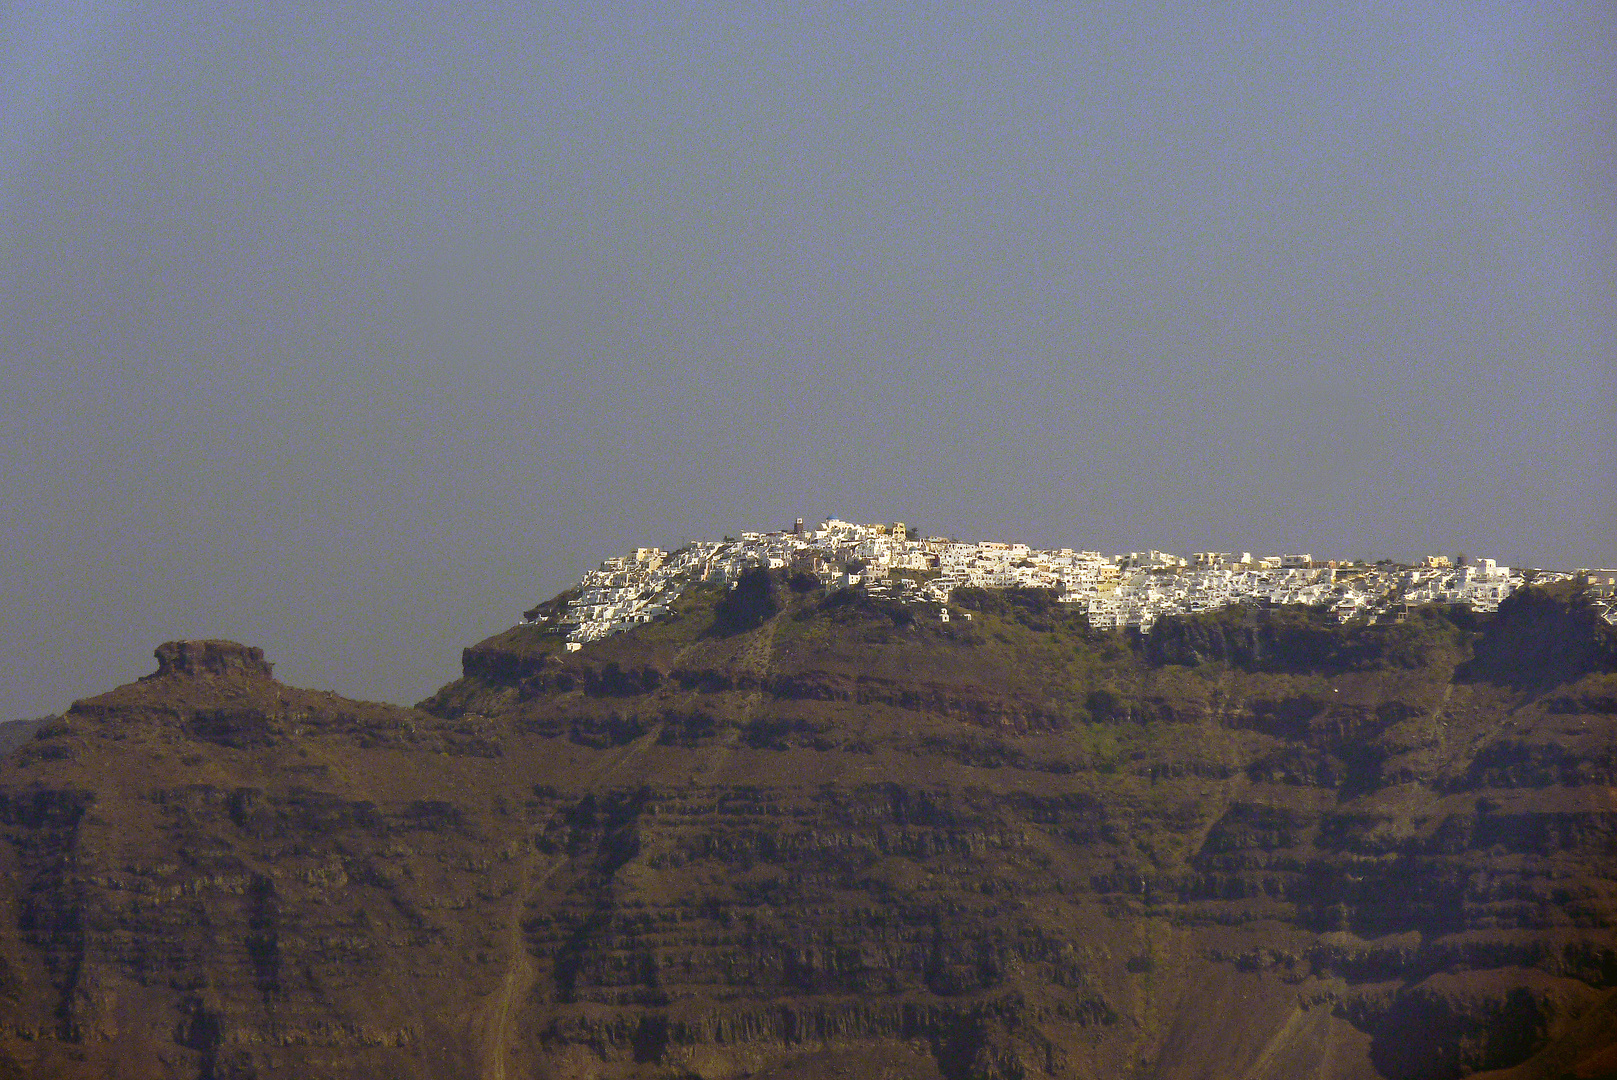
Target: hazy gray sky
[(351, 331)]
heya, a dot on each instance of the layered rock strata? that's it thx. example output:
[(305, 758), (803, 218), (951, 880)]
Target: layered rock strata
[(807, 835)]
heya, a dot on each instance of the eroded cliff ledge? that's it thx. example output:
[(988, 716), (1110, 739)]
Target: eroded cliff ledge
[(210, 659), (832, 836)]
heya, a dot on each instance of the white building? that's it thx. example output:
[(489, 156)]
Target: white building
[(1132, 590)]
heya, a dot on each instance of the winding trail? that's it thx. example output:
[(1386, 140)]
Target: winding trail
[(520, 975), (522, 972), (502, 1007), (1288, 1031), (754, 660)]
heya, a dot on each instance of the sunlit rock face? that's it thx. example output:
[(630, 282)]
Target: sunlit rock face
[(830, 834)]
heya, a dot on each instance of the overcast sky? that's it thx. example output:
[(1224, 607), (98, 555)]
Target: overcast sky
[(351, 331)]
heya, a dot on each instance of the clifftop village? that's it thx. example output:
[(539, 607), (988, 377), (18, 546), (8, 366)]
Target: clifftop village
[(1115, 591)]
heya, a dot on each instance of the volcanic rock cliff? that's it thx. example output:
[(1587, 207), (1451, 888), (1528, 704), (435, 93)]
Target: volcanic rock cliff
[(787, 834)]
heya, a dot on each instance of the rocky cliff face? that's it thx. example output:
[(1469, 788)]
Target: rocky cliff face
[(210, 660), (833, 836)]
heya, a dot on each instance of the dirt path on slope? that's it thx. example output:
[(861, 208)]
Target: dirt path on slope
[(521, 971), (754, 660), (520, 975)]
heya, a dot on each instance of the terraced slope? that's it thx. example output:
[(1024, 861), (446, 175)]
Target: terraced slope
[(782, 834)]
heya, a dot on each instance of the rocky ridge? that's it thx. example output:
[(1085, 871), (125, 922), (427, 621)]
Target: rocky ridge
[(781, 832)]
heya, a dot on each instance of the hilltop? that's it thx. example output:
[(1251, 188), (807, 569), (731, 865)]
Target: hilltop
[(785, 829), (1111, 591)]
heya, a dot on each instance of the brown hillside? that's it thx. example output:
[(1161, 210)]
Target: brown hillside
[(794, 835)]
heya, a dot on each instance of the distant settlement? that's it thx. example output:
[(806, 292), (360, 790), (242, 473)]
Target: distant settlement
[(1131, 590)]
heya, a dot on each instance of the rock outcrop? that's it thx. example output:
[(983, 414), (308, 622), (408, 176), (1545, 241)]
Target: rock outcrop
[(211, 660), (803, 836)]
